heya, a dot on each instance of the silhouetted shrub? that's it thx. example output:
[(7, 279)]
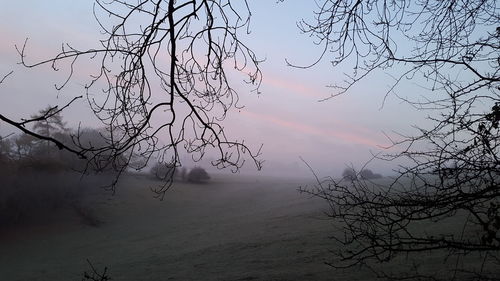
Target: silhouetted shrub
[(198, 175), (367, 174), (163, 171), (350, 174)]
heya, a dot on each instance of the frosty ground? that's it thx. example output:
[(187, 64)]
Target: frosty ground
[(232, 228)]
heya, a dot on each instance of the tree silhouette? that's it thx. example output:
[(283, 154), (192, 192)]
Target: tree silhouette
[(162, 171), (446, 200), (198, 175), (367, 174), (48, 121), (165, 67), (169, 76), (350, 174)]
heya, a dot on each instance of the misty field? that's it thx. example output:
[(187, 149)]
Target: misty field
[(232, 228)]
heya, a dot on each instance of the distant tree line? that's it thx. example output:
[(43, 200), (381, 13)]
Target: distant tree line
[(37, 178), (364, 174), (449, 47), (163, 171)]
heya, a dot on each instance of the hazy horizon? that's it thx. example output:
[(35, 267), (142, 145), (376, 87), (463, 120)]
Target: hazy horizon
[(286, 118)]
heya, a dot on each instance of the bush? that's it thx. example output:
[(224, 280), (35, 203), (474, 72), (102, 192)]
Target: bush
[(198, 175), (367, 174), (163, 171), (350, 174)]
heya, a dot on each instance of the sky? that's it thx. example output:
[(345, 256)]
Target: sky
[(287, 117)]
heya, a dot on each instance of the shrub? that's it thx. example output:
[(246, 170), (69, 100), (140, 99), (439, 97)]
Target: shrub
[(198, 175), (367, 174), (350, 174), (163, 171)]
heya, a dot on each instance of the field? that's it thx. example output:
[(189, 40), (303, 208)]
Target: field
[(232, 228)]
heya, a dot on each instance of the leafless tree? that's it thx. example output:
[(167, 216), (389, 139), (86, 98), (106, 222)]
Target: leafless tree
[(49, 122), (445, 200), (162, 80), (162, 171)]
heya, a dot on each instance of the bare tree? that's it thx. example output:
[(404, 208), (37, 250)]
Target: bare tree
[(163, 73), (162, 171), (446, 200), (49, 121)]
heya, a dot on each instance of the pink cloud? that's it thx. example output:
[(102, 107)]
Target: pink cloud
[(342, 135), (291, 86)]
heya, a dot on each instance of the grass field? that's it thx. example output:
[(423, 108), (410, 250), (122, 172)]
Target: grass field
[(233, 228)]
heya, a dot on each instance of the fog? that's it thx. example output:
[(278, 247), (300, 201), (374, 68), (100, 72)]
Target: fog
[(230, 228), (154, 160), (57, 223), (286, 118)]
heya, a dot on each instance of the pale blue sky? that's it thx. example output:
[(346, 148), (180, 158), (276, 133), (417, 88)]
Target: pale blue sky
[(287, 117)]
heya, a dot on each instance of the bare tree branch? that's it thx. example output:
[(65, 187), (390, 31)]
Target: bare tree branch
[(445, 200), (163, 84)]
